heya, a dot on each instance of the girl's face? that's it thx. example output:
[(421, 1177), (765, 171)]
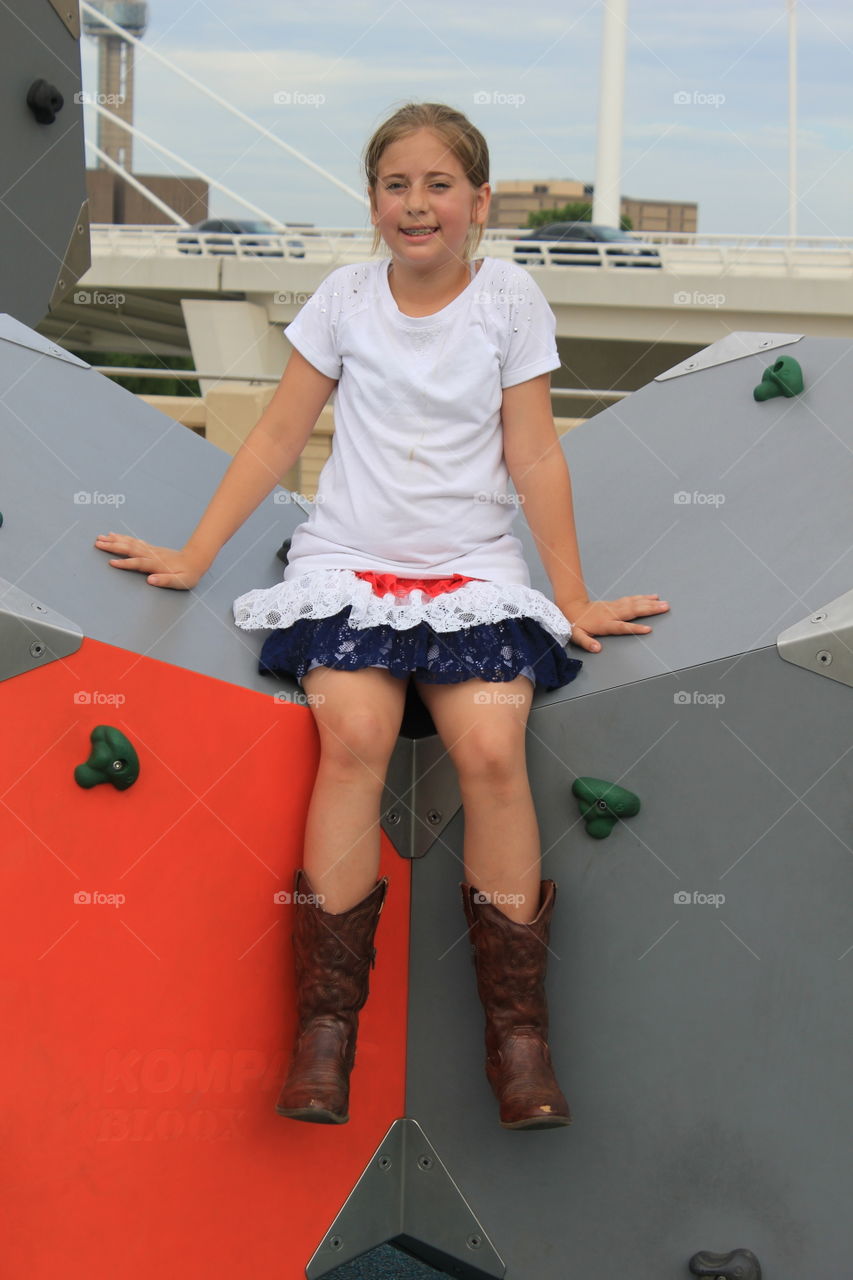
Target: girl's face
[(420, 183)]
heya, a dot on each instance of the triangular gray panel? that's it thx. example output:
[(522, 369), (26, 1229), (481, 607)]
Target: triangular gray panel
[(733, 347), (407, 1196), (31, 634), (823, 642)]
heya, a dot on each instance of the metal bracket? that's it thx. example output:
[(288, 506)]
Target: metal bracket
[(11, 330), (406, 1197), (76, 260), (733, 347), (823, 642), (31, 634), (421, 795), (68, 12)]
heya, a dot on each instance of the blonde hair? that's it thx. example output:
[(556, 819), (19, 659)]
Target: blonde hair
[(461, 137)]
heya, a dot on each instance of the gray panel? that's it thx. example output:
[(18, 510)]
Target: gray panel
[(704, 1048), (42, 166), (735, 574), (67, 431)]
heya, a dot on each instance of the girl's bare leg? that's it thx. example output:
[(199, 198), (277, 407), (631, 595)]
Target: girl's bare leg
[(358, 716), (483, 726)]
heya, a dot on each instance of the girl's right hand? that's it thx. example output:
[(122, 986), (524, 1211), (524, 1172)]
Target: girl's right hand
[(180, 570)]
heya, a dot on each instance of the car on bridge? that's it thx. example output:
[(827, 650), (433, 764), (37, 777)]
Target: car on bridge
[(583, 244), (237, 235)]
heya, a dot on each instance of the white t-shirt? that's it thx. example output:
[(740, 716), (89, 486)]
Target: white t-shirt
[(416, 483)]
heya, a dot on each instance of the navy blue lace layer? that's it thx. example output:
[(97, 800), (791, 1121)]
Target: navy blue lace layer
[(488, 651)]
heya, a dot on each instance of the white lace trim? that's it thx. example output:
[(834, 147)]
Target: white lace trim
[(324, 592)]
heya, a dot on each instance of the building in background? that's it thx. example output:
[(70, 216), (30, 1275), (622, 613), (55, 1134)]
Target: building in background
[(513, 200)]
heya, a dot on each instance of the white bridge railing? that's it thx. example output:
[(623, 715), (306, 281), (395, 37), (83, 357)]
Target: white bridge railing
[(681, 253)]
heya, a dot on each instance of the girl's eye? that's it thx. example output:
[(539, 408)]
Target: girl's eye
[(391, 185)]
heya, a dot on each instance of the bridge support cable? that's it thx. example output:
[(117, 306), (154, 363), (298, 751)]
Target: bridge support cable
[(223, 102)]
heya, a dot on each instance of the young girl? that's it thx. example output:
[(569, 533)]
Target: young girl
[(407, 569)]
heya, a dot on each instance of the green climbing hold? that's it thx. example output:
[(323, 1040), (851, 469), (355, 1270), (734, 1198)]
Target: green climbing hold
[(602, 804), (113, 759), (784, 378)]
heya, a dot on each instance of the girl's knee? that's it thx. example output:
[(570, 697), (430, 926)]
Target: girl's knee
[(354, 739), (493, 754)]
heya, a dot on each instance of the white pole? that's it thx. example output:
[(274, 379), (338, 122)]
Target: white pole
[(792, 117), (158, 146), (606, 201), (134, 182), (241, 115)]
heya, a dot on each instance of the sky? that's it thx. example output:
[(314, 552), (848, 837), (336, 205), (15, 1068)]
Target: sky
[(705, 118)]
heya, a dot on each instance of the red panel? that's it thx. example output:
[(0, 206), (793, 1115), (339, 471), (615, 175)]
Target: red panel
[(146, 1039)]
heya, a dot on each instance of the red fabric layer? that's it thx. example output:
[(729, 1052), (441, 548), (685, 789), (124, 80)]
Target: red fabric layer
[(382, 583)]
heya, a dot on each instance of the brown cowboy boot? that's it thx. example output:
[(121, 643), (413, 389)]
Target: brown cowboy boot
[(334, 954), (510, 961)]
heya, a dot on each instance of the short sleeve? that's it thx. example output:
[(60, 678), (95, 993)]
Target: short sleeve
[(313, 331), (531, 346)]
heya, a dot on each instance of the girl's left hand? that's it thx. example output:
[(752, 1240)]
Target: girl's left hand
[(608, 617)]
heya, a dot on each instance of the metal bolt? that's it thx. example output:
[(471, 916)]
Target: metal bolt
[(474, 1242), (434, 816), (37, 649), (817, 617), (824, 657), (335, 1242), (392, 817), (424, 1162), (38, 607), (384, 1162)]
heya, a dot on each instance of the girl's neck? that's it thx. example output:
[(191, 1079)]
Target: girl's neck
[(423, 295)]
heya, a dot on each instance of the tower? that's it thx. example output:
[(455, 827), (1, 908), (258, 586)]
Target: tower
[(115, 74)]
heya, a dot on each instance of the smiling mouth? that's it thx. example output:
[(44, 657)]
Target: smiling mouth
[(415, 232)]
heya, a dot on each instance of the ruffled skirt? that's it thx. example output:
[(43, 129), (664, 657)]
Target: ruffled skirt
[(439, 630)]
